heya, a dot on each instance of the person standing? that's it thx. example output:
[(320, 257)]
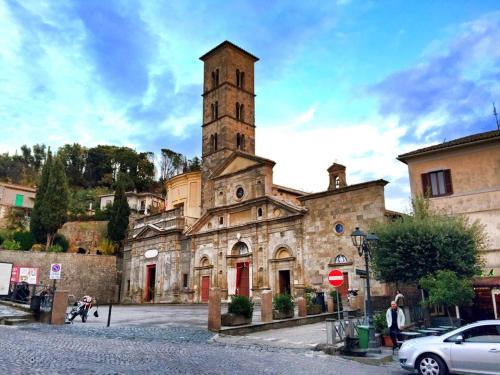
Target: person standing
[(399, 299), (395, 321)]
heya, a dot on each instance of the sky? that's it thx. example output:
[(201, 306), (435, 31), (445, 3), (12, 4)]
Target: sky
[(356, 82)]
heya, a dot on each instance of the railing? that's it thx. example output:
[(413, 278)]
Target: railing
[(38, 296), (338, 330)]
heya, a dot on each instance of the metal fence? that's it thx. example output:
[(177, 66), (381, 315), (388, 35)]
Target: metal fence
[(39, 297), (338, 330)]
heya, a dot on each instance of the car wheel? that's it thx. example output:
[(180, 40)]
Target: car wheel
[(431, 364)]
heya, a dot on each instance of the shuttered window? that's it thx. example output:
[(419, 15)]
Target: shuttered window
[(19, 200), (437, 183)]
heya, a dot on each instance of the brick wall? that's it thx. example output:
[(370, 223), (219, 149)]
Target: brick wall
[(94, 275)]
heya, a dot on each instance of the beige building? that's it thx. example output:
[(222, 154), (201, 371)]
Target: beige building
[(15, 196), (249, 234), (462, 177), (143, 203)]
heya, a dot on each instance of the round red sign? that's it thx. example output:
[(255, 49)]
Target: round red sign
[(336, 278)]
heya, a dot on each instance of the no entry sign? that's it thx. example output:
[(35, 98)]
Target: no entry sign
[(336, 278)]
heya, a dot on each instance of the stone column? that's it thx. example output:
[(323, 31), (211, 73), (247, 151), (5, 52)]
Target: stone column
[(329, 302), (214, 322), (266, 306), (59, 306), (301, 303)]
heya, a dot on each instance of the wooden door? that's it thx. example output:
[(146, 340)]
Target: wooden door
[(205, 288), (243, 279), (284, 282)]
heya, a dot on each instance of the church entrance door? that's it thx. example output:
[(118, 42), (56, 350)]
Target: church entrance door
[(150, 282), (205, 288), (284, 282), (243, 279)]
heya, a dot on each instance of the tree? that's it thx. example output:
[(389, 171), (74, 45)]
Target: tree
[(54, 207), (36, 226), (120, 211), (194, 164), (423, 243), (446, 289), (74, 159), (171, 163)]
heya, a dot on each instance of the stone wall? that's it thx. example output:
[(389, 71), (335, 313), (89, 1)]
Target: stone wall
[(84, 234), (94, 275)]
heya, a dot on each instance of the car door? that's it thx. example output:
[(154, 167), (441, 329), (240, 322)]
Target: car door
[(479, 352)]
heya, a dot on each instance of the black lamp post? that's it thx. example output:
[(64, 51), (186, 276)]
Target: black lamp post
[(365, 243)]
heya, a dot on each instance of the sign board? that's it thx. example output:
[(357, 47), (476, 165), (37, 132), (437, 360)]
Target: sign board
[(361, 273), (151, 253), (21, 274), (336, 278), (55, 271), (5, 274)]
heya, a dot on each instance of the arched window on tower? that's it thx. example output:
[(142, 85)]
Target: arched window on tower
[(337, 182), (212, 141), (242, 79), (238, 140), (216, 110), (213, 80), (237, 78), (241, 113), (212, 106), (217, 77)]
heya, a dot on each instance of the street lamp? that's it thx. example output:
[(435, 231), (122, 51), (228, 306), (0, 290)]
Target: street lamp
[(366, 243)]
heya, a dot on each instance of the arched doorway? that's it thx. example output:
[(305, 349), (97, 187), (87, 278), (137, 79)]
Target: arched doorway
[(283, 265), (240, 249), (205, 279)]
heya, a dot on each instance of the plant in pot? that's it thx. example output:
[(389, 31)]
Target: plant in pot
[(380, 325), (283, 307), (239, 312), (312, 307)]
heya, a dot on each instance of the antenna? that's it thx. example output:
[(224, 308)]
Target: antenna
[(496, 116)]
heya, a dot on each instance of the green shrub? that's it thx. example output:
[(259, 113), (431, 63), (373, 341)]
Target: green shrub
[(283, 303), (26, 239), (333, 294), (62, 241), (56, 249), (1, 239), (380, 323), (240, 305), (11, 245)]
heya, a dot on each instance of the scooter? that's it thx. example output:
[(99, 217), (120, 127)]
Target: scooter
[(82, 308)]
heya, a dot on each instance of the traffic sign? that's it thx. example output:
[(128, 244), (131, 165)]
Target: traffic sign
[(55, 271), (336, 278)]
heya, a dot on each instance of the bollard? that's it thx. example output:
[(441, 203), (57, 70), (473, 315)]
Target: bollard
[(266, 306), (301, 303), (109, 314), (330, 332), (214, 322), (59, 307)]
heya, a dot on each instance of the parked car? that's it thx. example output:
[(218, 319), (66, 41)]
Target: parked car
[(472, 349)]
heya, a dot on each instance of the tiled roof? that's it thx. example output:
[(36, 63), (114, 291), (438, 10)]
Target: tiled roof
[(229, 44), (475, 138)]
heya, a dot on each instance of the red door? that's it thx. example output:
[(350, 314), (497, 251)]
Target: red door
[(345, 286), (205, 287), (243, 279)]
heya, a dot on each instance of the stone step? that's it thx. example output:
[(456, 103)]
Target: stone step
[(15, 321)]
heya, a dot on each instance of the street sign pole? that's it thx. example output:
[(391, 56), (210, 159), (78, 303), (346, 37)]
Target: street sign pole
[(338, 304)]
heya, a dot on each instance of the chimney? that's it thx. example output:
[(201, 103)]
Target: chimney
[(337, 176)]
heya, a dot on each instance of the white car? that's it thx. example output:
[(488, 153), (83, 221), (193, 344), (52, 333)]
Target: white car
[(472, 349)]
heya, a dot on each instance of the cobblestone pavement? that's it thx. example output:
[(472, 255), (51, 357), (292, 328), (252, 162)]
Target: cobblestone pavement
[(86, 349)]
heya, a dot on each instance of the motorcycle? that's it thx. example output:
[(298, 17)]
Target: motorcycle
[(82, 308)]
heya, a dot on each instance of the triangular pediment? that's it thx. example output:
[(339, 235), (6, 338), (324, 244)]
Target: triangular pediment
[(147, 231), (240, 161)]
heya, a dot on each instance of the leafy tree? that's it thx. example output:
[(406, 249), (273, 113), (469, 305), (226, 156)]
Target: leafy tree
[(25, 239), (36, 226), (423, 243), (194, 164), (118, 223), (446, 289), (74, 159), (54, 207), (171, 163)]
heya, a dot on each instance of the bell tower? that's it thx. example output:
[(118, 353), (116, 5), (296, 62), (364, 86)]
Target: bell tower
[(228, 110)]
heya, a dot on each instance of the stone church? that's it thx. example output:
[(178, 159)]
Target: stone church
[(230, 226)]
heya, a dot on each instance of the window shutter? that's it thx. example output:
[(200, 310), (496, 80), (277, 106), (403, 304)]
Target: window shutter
[(447, 181), (426, 185)]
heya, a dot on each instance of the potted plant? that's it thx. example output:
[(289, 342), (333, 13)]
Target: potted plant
[(380, 325), (312, 307), (239, 312), (283, 307)]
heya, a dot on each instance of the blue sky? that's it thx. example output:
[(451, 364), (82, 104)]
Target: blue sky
[(356, 82)]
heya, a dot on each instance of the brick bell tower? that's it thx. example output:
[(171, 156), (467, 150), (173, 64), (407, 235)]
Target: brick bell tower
[(228, 110)]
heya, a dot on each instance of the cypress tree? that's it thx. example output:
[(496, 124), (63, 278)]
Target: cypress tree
[(120, 211), (54, 207), (36, 226)]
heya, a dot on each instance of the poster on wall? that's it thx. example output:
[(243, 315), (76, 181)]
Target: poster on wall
[(24, 274), (5, 273)]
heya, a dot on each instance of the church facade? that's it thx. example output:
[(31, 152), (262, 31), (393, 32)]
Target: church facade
[(230, 226)]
